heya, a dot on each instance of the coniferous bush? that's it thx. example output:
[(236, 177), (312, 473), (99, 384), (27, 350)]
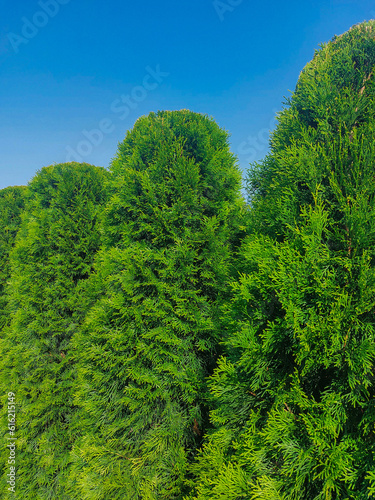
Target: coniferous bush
[(294, 395), (51, 259), (152, 336), (11, 207)]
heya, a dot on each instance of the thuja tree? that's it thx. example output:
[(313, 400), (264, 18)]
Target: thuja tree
[(152, 337), (11, 207), (51, 259), (294, 395)]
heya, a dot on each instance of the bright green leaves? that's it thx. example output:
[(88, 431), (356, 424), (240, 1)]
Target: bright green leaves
[(51, 259), (12, 200), (118, 359), (293, 397), (151, 338)]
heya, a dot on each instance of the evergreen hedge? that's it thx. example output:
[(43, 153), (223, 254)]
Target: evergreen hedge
[(294, 396), (152, 337), (139, 372), (50, 261), (11, 207)]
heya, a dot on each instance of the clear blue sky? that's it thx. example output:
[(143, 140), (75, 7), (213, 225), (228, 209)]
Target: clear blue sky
[(76, 74)]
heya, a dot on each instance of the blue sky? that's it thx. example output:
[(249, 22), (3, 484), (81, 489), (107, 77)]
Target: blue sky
[(76, 74)]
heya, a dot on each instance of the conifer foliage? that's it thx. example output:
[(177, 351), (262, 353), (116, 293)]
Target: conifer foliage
[(294, 396), (127, 348), (52, 257), (11, 207), (152, 336)]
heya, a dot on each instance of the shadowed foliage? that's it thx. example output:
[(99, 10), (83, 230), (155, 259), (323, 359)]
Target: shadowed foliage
[(12, 200)]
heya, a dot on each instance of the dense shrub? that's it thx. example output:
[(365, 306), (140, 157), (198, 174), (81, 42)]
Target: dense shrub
[(11, 207), (52, 257), (294, 395), (152, 336)]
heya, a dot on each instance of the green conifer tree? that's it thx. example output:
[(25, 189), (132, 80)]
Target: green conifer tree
[(11, 207), (294, 395), (50, 261), (152, 336)]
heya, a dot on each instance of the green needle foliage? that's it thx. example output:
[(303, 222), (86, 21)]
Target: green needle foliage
[(152, 336), (51, 259), (294, 396), (11, 206)]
